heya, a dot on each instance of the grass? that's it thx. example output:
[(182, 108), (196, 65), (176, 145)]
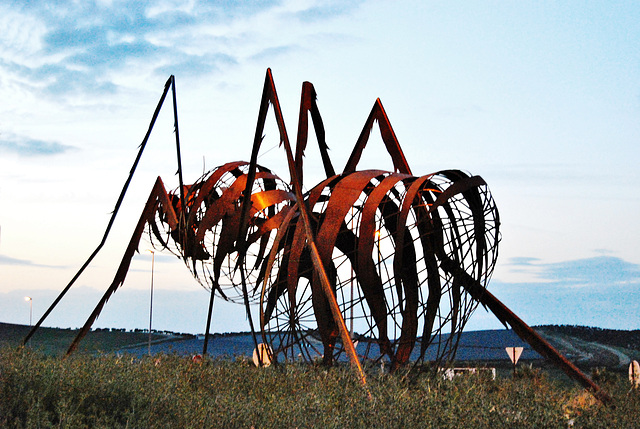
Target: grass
[(170, 391)]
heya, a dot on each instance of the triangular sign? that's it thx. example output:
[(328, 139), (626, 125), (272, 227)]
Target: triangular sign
[(514, 353)]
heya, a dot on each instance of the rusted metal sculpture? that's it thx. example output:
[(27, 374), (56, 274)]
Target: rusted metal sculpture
[(387, 240), (402, 259)]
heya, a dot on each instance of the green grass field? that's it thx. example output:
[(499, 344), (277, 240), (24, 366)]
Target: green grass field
[(107, 391), (99, 388)]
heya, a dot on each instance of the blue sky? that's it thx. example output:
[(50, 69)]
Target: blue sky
[(541, 99)]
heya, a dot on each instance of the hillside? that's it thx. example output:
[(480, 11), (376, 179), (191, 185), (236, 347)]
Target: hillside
[(587, 347), (591, 347), (611, 337), (55, 341)]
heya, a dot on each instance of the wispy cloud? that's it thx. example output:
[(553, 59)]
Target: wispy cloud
[(601, 291), (274, 51), (81, 45), (7, 260), (81, 48), (599, 271), (326, 10), (26, 146), (195, 65), (522, 261)]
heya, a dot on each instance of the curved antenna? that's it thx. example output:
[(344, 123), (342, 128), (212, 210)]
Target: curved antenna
[(170, 83)]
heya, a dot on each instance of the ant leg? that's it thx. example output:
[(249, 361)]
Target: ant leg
[(389, 138), (269, 96), (308, 105), (158, 195)]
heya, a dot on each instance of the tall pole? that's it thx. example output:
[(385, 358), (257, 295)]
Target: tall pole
[(28, 298), (351, 301), (151, 298)]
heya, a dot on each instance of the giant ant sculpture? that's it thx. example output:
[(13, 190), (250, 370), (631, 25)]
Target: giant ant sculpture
[(400, 255)]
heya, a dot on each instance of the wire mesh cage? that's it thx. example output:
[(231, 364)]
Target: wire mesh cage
[(386, 241)]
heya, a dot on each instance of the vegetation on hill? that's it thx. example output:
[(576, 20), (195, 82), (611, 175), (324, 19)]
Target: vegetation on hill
[(589, 347), (611, 337), (55, 341)]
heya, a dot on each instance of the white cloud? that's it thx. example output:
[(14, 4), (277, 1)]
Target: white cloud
[(20, 38), (81, 47)]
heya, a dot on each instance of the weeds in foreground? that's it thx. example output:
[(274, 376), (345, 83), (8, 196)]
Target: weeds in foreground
[(172, 391)]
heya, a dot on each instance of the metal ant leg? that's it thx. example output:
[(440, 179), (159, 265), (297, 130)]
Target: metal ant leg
[(269, 96), (209, 313), (539, 344), (308, 106), (170, 83), (389, 138), (158, 195)]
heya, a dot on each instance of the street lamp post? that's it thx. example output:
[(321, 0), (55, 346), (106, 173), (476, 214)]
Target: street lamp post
[(151, 298), (28, 298)]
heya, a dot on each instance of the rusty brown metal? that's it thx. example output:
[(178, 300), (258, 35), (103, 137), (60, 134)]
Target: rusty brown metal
[(389, 138), (392, 261), (157, 197), (524, 331), (443, 220), (308, 106), (213, 205), (320, 274)]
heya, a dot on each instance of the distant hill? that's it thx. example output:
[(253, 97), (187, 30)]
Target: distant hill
[(473, 346), (611, 337), (55, 341), (585, 346), (591, 347)]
